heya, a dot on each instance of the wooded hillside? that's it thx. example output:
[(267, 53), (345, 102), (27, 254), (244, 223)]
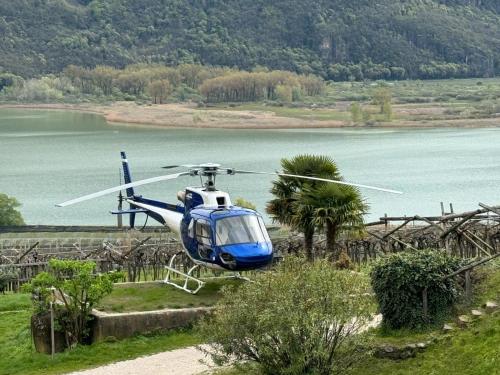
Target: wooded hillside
[(337, 39)]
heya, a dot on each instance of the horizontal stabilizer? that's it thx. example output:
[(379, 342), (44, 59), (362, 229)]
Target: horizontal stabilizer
[(131, 211)]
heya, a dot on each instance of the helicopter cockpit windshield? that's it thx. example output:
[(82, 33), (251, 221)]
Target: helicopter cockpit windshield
[(240, 229)]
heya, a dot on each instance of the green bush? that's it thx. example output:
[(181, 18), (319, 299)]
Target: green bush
[(399, 279), (302, 318), (78, 287), (6, 276)]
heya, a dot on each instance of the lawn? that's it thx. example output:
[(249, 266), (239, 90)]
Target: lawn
[(156, 295), (18, 356), (14, 302)]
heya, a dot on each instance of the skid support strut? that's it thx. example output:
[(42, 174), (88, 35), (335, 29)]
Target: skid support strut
[(187, 276)]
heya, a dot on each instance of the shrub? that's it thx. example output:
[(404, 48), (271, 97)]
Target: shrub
[(344, 262), (35, 90), (6, 276), (301, 318), (79, 289), (399, 279)]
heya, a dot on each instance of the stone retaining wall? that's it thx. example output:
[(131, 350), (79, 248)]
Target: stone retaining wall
[(122, 325)]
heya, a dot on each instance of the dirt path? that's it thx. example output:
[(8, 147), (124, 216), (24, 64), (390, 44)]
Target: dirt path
[(186, 361)]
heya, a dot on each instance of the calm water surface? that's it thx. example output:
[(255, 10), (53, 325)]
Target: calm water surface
[(47, 157)]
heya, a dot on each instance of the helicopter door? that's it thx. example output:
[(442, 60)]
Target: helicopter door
[(203, 237)]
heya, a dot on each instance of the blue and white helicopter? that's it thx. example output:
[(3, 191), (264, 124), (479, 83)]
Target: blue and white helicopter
[(214, 233)]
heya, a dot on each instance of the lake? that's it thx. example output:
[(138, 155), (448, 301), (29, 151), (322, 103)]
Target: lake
[(47, 157)]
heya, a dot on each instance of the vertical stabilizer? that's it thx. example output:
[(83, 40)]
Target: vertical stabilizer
[(126, 174), (128, 179)]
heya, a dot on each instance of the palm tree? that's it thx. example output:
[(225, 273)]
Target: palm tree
[(334, 208), (282, 208)]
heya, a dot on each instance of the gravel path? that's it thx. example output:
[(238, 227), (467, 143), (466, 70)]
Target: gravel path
[(186, 361)]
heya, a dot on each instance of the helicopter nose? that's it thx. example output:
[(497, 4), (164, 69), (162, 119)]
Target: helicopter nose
[(247, 256)]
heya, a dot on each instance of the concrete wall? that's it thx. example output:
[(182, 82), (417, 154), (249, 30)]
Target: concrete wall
[(122, 325)]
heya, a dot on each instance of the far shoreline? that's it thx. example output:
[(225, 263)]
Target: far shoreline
[(188, 116)]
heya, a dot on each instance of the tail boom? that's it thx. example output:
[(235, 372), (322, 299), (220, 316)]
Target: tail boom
[(171, 219)]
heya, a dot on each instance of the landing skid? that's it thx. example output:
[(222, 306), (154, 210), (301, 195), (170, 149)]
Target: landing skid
[(235, 276), (187, 276)]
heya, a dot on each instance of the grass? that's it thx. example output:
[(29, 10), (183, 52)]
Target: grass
[(305, 113), (474, 351), (14, 302), (154, 296), (488, 289), (18, 356)]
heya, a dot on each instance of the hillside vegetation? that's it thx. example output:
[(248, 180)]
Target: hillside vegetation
[(336, 39)]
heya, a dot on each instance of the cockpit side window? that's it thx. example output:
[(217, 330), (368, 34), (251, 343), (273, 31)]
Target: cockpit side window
[(191, 229), (203, 232), (264, 229)]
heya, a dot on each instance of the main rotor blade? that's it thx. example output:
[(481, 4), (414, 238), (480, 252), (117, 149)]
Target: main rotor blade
[(322, 179), (171, 166), (122, 187), (182, 165)]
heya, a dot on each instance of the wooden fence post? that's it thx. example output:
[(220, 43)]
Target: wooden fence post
[(425, 305), (468, 286)]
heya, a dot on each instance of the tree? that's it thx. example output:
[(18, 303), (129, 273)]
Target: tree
[(303, 318), (103, 77), (382, 97), (387, 110), (284, 93), (356, 112), (159, 90), (337, 39), (7, 80), (282, 207), (241, 202), (334, 208), (133, 82), (9, 215)]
